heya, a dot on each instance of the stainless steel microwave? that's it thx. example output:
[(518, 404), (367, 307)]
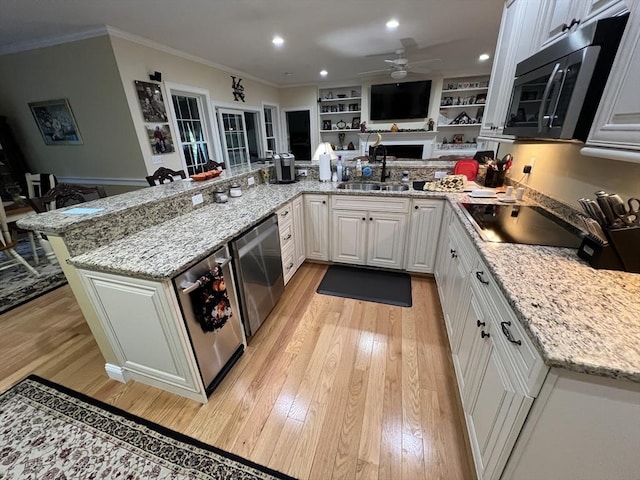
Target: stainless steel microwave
[(556, 92)]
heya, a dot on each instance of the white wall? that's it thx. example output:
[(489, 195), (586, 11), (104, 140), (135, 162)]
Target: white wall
[(560, 172), (85, 73), (136, 61)]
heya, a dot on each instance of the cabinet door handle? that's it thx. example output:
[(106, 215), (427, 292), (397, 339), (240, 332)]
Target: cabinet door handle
[(324, 202), (481, 324), (364, 219), (565, 27), (416, 207), (287, 237), (482, 280), (285, 213), (507, 333), (484, 335), (453, 253), (371, 219)]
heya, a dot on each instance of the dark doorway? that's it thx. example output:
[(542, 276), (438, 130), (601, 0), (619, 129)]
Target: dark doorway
[(251, 121), (299, 133)]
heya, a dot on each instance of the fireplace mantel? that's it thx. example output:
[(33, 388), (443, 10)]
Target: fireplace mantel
[(424, 138)]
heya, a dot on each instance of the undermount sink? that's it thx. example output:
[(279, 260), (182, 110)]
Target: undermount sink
[(388, 187), (395, 187), (359, 186)]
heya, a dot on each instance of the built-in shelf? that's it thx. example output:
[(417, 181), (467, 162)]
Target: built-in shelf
[(460, 125), (462, 106), (346, 99), (479, 89), (340, 113), (341, 130)]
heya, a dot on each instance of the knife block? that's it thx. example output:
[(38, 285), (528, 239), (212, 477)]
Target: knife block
[(599, 256), (626, 242)]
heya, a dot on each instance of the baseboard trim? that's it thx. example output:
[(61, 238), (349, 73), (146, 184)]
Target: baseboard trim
[(115, 372), (127, 182)]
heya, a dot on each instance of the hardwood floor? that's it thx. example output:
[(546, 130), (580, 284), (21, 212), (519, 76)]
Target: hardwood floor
[(328, 387)]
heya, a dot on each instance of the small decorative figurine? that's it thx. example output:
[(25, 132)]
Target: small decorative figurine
[(430, 125), (363, 127), (394, 128)]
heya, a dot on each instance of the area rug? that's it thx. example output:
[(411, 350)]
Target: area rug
[(392, 288), (18, 286), (49, 431)]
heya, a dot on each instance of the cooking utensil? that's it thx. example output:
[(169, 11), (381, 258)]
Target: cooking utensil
[(605, 206), (597, 213)]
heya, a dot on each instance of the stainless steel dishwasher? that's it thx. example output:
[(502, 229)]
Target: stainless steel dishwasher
[(258, 266), (211, 313)]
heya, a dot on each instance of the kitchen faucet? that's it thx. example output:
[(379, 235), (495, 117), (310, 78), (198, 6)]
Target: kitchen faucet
[(385, 174)]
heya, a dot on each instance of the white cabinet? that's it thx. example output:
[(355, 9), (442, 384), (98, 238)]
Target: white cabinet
[(339, 112), (424, 228), (616, 126), (369, 230), (291, 229), (558, 18), (316, 221), (514, 45), (142, 321), (462, 107)]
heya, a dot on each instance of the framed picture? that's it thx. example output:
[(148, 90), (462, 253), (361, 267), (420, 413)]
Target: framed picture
[(160, 139), (56, 123), (151, 102), (326, 124), (481, 98), (355, 123), (458, 138)]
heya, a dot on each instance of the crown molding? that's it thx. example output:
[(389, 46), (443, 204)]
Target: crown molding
[(131, 37), (55, 40)]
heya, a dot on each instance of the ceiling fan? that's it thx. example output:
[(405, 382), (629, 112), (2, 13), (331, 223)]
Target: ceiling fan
[(399, 67)]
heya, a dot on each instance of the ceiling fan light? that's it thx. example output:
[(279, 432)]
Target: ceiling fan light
[(398, 74)]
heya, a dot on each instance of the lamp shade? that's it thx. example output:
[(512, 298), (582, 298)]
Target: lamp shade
[(324, 147)]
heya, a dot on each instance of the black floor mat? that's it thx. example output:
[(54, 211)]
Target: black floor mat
[(393, 288)]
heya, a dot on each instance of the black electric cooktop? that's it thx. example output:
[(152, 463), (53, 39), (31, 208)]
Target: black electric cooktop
[(525, 224)]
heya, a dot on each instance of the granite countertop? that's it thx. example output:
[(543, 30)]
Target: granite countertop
[(579, 318)]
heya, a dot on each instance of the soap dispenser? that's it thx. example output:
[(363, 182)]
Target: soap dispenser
[(339, 168)]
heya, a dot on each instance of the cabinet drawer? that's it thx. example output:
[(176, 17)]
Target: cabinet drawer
[(285, 215), (372, 204), (288, 262), (286, 235), (464, 249), (509, 335)]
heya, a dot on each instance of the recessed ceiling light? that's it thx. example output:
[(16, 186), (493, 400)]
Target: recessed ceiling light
[(324, 73), (483, 57), (392, 24), (277, 40)]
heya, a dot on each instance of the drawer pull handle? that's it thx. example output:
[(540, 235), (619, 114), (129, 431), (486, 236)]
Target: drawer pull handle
[(287, 237), (289, 267), (507, 333), (324, 202), (285, 213), (482, 280), (484, 335), (453, 253), (481, 324)]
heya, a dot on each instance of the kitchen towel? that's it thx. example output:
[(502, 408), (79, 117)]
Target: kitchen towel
[(210, 302)]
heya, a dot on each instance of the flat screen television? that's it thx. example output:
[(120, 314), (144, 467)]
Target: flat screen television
[(400, 101)]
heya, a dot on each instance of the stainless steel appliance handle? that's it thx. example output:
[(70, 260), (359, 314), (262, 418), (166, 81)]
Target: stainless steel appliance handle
[(196, 285), (545, 96), (555, 106)]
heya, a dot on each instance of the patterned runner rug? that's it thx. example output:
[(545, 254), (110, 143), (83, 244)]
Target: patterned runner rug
[(49, 431), (17, 285)]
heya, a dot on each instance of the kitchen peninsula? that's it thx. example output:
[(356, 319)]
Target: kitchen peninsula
[(582, 323)]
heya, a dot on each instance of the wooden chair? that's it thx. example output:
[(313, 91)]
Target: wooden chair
[(164, 175), (40, 183), (65, 194), (7, 246)]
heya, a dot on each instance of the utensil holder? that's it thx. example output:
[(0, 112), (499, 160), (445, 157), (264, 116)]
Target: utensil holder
[(494, 178), (626, 241)]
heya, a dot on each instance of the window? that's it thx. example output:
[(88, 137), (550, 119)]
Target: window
[(270, 125), (192, 130), (234, 136)]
